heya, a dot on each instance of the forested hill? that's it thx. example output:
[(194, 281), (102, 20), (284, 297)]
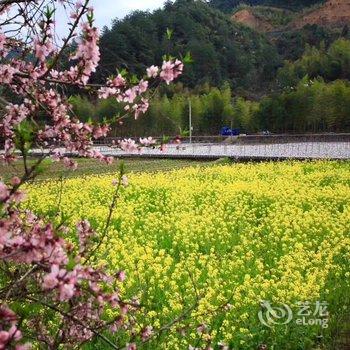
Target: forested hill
[(295, 79), (221, 49), (230, 5)]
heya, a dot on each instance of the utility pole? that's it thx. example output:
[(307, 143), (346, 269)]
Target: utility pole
[(190, 118)]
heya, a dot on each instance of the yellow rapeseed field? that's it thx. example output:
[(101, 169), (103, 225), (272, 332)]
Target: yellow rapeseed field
[(203, 246)]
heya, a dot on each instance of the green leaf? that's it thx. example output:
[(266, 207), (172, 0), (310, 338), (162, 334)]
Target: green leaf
[(187, 59), (90, 18), (169, 33), (184, 133), (123, 72), (121, 168), (134, 79), (165, 139)]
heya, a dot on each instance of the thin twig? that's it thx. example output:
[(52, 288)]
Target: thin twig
[(109, 218)]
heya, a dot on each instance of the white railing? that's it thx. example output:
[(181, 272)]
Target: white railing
[(311, 150)]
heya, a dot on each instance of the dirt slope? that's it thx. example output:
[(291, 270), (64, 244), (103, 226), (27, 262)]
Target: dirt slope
[(333, 13), (248, 18)]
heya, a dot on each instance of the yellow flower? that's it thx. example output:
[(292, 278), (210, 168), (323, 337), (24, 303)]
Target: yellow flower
[(199, 239)]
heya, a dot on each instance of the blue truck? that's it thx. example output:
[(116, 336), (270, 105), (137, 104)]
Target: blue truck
[(226, 131)]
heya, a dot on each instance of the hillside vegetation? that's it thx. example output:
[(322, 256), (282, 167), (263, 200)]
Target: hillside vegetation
[(221, 50)]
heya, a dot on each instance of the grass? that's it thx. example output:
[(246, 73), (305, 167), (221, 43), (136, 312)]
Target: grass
[(54, 170)]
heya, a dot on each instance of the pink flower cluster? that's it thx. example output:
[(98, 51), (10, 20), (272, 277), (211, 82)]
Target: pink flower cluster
[(171, 70), (132, 97), (147, 141), (6, 73), (128, 145), (43, 46), (3, 43), (9, 332), (87, 54)]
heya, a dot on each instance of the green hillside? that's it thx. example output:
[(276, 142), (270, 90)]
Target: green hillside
[(222, 50), (279, 81)]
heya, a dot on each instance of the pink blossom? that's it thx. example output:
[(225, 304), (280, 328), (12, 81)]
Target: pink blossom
[(2, 41), (88, 53), (100, 131), (69, 163), (66, 291), (28, 241), (78, 5), (130, 95), (179, 66), (50, 280), (202, 329), (109, 160), (43, 50), (171, 70), (143, 86), (4, 337), (15, 333), (147, 141), (121, 275), (6, 73), (146, 333), (125, 181), (4, 192), (85, 233), (128, 145), (15, 181), (106, 92), (54, 74), (152, 71), (141, 108), (167, 73), (118, 81), (26, 346), (73, 15)]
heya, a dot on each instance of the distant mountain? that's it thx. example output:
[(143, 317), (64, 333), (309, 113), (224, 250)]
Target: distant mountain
[(244, 47), (221, 49)]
